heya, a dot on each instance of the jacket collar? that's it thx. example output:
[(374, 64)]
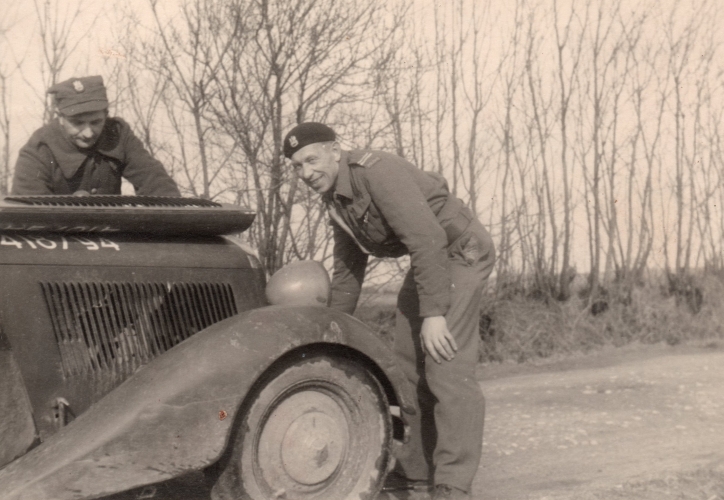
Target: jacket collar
[(343, 186), (70, 157)]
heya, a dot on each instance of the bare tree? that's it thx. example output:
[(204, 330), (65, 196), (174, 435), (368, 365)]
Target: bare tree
[(6, 72), (60, 32), (603, 58), (477, 97), (304, 60), (541, 127), (138, 92), (512, 80), (566, 80), (189, 53), (601, 127)]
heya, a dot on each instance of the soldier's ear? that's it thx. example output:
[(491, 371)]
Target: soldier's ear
[(336, 150)]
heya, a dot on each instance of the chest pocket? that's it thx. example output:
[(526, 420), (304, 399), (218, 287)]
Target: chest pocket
[(364, 218), (372, 230), (374, 225)]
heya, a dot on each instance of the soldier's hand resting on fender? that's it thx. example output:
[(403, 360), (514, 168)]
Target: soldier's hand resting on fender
[(437, 340)]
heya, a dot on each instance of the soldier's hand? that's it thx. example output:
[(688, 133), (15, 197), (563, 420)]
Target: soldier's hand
[(437, 340)]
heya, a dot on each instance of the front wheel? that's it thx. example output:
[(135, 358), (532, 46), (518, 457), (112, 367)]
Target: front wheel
[(317, 429)]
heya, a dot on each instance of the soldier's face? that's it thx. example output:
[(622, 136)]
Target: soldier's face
[(318, 164), (84, 129)]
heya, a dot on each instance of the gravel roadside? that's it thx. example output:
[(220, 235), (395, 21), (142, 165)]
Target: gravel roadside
[(632, 424)]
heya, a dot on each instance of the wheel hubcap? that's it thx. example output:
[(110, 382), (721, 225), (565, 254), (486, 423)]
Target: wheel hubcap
[(312, 448), (304, 441)]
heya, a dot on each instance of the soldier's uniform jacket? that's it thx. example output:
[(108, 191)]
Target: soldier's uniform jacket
[(50, 164), (391, 208)]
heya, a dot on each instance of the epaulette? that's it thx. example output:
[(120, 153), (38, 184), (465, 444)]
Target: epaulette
[(364, 158)]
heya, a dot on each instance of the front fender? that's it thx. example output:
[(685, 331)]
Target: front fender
[(175, 414)]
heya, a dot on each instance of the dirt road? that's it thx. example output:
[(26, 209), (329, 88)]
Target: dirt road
[(635, 424), (639, 423)]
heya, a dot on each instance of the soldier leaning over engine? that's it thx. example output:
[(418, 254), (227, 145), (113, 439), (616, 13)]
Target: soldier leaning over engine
[(382, 205), (84, 151)]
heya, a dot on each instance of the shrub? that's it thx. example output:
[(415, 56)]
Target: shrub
[(520, 327)]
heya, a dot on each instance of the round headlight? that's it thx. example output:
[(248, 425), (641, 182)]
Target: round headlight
[(305, 282)]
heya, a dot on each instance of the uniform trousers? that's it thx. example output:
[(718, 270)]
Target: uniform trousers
[(446, 434)]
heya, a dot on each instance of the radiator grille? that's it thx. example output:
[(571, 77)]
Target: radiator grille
[(118, 326)]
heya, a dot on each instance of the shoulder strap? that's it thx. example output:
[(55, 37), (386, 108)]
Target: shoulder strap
[(363, 158)]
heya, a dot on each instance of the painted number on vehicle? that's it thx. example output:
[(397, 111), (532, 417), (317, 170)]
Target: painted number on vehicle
[(56, 242)]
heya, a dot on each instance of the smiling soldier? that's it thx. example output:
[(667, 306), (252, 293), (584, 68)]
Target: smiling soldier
[(382, 205), (84, 151)]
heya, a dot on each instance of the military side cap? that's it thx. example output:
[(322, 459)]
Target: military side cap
[(80, 95), (305, 134)]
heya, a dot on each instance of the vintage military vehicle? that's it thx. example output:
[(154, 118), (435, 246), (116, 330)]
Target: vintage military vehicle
[(137, 345)]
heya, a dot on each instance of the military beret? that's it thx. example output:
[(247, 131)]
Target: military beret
[(305, 134), (80, 95)]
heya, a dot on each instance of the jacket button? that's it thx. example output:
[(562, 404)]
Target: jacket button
[(94, 191)]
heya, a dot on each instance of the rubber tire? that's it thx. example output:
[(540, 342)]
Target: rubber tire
[(346, 400)]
